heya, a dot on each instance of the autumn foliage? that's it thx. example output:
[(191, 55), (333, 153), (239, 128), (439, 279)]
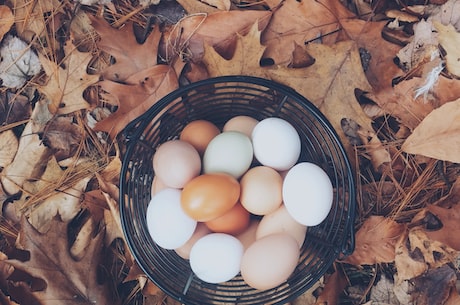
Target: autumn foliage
[(385, 74)]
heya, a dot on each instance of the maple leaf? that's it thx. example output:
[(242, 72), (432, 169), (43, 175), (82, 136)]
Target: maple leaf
[(376, 241), (65, 86), (130, 56), (68, 281), (301, 22), (438, 135), (142, 90)]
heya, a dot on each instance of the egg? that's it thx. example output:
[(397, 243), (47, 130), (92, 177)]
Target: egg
[(281, 221), (242, 123), (157, 185), (200, 231), (261, 190), (235, 221), (248, 236), (269, 261), (209, 196), (176, 162), (276, 143), (229, 152), (168, 225), (308, 193), (199, 133), (216, 257)]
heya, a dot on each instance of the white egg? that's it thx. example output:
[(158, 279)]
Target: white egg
[(167, 223), (276, 143), (230, 152), (216, 257), (307, 193)]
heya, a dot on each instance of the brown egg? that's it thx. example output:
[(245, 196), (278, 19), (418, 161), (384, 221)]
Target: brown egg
[(200, 231), (269, 261), (242, 123), (248, 236), (233, 222), (199, 133)]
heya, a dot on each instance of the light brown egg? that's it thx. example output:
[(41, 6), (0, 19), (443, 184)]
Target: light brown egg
[(199, 133), (242, 123)]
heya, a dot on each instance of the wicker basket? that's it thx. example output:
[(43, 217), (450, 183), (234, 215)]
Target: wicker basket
[(218, 100)]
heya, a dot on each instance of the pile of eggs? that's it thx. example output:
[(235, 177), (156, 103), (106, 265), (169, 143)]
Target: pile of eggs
[(237, 200)]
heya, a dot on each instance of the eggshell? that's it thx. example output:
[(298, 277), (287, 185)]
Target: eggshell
[(199, 133), (248, 236), (176, 162), (242, 123), (269, 261), (235, 221), (216, 257), (157, 185), (280, 221), (276, 143), (229, 152), (261, 190), (308, 193), (209, 196), (167, 223), (200, 231)]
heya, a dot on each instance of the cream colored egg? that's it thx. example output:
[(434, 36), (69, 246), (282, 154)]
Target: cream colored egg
[(280, 221), (261, 190), (242, 123)]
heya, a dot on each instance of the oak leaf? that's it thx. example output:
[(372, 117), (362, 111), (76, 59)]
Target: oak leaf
[(302, 22), (130, 55), (438, 135), (136, 96), (376, 241), (219, 30), (6, 20), (68, 281), (65, 85)]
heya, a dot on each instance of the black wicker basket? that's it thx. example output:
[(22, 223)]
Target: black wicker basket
[(218, 100)]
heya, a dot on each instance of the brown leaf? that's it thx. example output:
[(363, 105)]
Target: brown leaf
[(454, 297), (300, 22), (130, 56), (438, 135), (434, 287), (13, 108), (205, 6), (376, 241), (334, 286), (67, 281), (6, 20), (219, 30), (449, 39), (63, 137), (135, 98), (8, 146), (65, 86), (245, 60), (368, 36), (416, 253)]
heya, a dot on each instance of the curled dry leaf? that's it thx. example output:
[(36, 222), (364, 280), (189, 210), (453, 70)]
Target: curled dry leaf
[(438, 135), (63, 137), (6, 20), (376, 241)]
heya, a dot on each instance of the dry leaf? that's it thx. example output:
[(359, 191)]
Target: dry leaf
[(219, 30), (14, 108), (6, 20), (27, 162), (300, 22), (67, 281), (135, 98), (334, 285), (416, 253), (63, 137), (245, 59), (130, 56), (449, 39), (383, 292), (454, 297), (381, 69), (434, 286), (18, 62), (197, 7), (8, 146), (376, 241), (65, 86), (83, 239), (438, 135)]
